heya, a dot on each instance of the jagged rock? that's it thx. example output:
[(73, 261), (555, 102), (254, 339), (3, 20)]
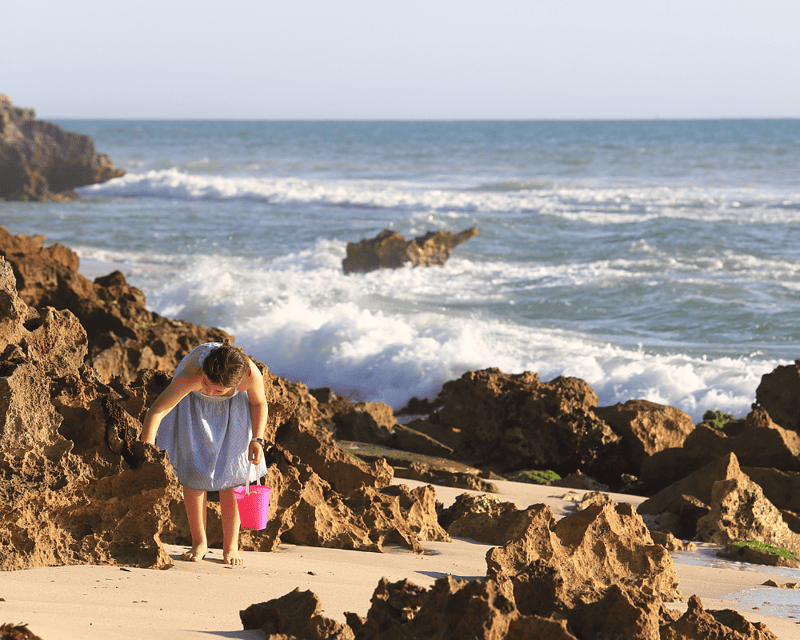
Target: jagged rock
[(508, 422), (646, 428), (305, 510), (75, 484), (619, 613), (41, 161), (592, 575), (390, 250), (297, 614), (123, 336), (406, 438), (739, 511), (450, 610), (426, 472), (485, 519), (17, 632), (579, 480), (780, 487), (555, 566), (372, 422), (779, 395), (697, 623), (670, 542), (689, 498), (757, 442)]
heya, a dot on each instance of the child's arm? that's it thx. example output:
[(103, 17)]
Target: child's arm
[(182, 384), (254, 385)]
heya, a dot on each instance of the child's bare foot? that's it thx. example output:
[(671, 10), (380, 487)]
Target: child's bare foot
[(233, 558), (196, 553)]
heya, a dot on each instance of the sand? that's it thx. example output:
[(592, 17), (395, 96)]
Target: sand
[(202, 600)]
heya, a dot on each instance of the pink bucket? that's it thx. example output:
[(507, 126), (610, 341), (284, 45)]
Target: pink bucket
[(253, 506)]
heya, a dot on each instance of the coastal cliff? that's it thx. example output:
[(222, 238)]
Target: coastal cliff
[(40, 161)]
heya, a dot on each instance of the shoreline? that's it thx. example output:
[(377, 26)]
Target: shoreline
[(198, 600)]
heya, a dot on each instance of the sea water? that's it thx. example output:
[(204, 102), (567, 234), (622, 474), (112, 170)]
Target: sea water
[(654, 259)]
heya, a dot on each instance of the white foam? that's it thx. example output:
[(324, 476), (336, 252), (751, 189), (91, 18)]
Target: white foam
[(369, 338), (597, 206)]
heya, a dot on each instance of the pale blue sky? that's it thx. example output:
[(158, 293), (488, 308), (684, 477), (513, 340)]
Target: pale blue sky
[(374, 59)]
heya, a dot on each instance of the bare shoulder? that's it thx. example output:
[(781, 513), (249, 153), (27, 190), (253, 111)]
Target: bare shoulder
[(253, 376), (253, 381)]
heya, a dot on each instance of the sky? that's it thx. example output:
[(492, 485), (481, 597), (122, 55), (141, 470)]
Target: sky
[(375, 59)]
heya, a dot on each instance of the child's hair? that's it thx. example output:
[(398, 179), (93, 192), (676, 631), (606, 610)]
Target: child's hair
[(225, 366)]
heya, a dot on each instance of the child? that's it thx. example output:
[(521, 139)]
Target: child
[(211, 420)]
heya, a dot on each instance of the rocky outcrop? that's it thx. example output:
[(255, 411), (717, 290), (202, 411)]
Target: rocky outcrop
[(77, 485), (560, 565), (739, 511), (646, 428), (510, 421), (390, 250), (779, 395), (17, 632), (123, 335), (595, 574), (755, 440), (721, 504), (485, 519), (41, 161)]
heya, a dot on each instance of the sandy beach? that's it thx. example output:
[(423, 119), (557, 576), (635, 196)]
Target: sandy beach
[(201, 600)]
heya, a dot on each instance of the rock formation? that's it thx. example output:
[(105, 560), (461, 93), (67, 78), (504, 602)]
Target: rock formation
[(779, 395), (390, 250), (510, 421), (123, 336), (594, 574), (756, 441), (721, 504), (646, 428), (77, 485), (41, 161)]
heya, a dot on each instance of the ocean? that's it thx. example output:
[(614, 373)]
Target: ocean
[(654, 259)]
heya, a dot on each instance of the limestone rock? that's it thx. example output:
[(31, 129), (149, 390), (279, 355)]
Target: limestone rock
[(696, 622), (77, 485), (646, 428), (739, 511), (433, 474), (17, 632), (485, 519), (450, 610), (390, 250), (41, 161), (297, 614), (556, 566), (372, 422), (123, 335), (779, 395), (689, 498), (592, 575), (756, 441), (514, 421)]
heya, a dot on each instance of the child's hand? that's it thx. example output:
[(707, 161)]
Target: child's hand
[(255, 453)]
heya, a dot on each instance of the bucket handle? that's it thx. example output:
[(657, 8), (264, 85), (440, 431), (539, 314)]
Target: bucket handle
[(247, 484)]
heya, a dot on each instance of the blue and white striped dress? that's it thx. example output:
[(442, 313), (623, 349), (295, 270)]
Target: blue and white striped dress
[(207, 437)]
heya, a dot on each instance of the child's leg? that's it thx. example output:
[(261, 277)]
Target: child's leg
[(230, 527), (196, 511)]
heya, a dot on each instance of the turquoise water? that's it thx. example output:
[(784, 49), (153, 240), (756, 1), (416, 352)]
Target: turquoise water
[(655, 260)]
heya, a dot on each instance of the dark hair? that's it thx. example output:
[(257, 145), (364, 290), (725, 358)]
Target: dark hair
[(225, 366)]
